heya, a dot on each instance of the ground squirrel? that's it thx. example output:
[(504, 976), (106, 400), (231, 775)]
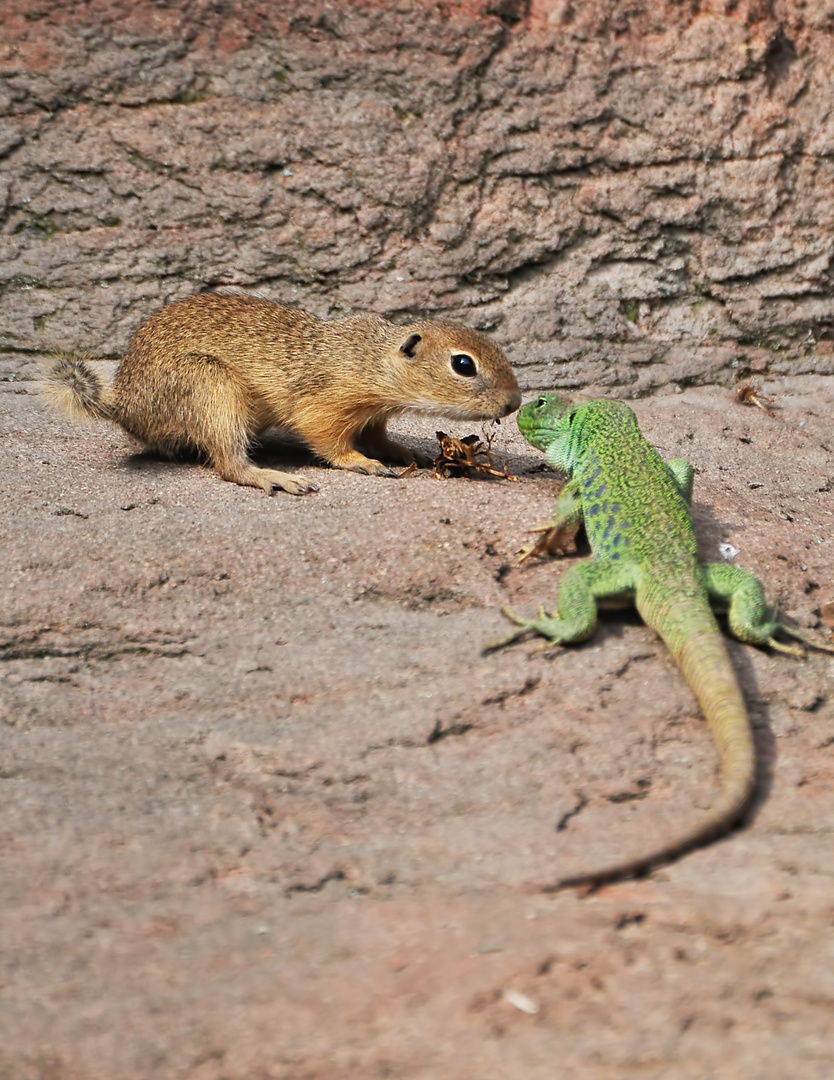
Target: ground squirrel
[(210, 373)]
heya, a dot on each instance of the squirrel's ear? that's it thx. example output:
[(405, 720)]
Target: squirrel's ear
[(410, 344)]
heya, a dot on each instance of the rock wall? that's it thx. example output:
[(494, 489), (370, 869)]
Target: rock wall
[(629, 194)]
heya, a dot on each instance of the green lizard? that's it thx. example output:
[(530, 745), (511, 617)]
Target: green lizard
[(635, 509)]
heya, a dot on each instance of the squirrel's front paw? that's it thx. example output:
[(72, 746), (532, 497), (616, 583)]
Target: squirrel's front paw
[(356, 462)]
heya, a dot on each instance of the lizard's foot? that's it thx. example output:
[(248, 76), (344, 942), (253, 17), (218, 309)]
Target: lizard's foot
[(575, 618), (558, 536), (553, 539), (525, 626), (750, 620), (780, 646), (542, 624), (798, 635)]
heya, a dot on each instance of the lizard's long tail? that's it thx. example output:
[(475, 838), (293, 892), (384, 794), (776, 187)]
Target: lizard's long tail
[(695, 641), (76, 389)]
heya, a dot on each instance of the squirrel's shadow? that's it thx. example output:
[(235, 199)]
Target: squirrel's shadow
[(270, 449), (277, 447)]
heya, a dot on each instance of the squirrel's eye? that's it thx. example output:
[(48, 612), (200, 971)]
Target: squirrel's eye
[(464, 365)]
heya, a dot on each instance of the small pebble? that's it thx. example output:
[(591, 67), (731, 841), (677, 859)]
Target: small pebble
[(521, 1002)]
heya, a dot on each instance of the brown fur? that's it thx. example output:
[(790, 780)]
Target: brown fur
[(210, 373)]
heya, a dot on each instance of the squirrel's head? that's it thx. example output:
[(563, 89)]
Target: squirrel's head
[(453, 371)]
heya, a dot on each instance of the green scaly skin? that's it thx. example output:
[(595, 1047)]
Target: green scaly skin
[(635, 509)]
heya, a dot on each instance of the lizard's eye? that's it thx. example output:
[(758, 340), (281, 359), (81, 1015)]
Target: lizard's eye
[(464, 365), (540, 404)]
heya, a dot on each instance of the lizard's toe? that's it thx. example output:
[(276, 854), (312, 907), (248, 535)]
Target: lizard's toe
[(791, 650)]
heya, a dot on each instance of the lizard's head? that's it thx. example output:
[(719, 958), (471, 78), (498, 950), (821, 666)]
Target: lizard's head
[(544, 419)]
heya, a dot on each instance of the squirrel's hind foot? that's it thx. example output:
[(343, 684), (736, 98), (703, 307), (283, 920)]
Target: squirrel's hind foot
[(269, 480)]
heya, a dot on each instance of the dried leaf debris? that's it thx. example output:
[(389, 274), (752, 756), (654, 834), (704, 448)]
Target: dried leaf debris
[(749, 393), (469, 456)]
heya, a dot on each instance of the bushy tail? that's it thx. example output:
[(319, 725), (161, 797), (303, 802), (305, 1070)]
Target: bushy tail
[(73, 387)]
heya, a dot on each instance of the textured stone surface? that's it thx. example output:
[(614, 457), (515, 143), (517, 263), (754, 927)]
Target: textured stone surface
[(266, 812), (628, 194)]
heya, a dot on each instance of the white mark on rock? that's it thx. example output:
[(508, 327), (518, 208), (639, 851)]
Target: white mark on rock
[(522, 1002)]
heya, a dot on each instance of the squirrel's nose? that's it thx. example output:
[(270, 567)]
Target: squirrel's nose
[(512, 404)]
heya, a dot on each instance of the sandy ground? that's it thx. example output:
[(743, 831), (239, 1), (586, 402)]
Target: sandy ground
[(267, 812)]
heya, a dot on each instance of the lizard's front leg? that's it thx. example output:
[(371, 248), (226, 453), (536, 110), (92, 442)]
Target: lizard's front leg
[(749, 616), (558, 535), (575, 618)]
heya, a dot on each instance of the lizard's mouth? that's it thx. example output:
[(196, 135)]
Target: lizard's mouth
[(537, 436)]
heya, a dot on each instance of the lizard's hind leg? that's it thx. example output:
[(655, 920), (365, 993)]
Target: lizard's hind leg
[(750, 619), (575, 618), (683, 475)]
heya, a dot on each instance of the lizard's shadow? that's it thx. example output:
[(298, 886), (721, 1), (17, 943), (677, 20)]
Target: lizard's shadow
[(710, 531)]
